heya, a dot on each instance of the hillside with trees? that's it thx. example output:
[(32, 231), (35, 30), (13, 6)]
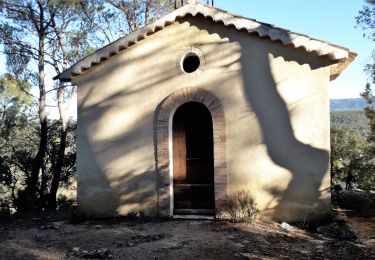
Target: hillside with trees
[(352, 121), (352, 142), (353, 146)]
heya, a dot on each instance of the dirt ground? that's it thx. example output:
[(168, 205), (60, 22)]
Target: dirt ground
[(52, 236)]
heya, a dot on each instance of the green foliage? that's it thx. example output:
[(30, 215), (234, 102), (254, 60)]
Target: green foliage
[(366, 20), (14, 103), (139, 12), (351, 160), (55, 34), (358, 149), (240, 207), (113, 19), (370, 111), (18, 138), (69, 164), (353, 145), (366, 180), (16, 158), (10, 90)]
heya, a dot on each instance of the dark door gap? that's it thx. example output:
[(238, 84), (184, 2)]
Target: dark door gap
[(193, 178)]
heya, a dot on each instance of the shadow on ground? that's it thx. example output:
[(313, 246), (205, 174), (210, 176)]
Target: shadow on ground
[(53, 237)]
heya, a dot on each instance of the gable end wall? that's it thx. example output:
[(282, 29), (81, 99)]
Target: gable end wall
[(275, 101)]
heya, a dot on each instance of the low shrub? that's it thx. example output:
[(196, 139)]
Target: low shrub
[(240, 207)]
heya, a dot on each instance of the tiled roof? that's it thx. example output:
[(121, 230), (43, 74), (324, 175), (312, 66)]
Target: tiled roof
[(341, 55)]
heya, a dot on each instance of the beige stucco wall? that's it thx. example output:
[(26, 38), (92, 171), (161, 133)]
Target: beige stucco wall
[(277, 115)]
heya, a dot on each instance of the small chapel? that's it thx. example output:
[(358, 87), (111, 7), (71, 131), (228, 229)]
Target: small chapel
[(201, 104)]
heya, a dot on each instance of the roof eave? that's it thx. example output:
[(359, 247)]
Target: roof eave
[(342, 65)]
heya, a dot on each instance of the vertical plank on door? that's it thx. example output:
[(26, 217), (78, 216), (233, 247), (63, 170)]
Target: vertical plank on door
[(179, 151)]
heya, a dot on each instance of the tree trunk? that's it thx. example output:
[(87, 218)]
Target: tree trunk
[(349, 178), (147, 11), (63, 132), (30, 193), (61, 154), (43, 188)]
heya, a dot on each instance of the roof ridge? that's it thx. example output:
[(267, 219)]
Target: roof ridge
[(322, 48)]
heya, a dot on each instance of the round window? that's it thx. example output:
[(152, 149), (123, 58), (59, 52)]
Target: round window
[(190, 63)]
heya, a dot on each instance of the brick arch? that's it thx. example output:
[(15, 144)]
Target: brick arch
[(163, 148)]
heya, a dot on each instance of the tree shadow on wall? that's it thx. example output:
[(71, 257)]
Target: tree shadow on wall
[(126, 187), (100, 195), (303, 198), (307, 164)]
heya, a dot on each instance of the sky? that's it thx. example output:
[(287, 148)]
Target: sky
[(329, 20)]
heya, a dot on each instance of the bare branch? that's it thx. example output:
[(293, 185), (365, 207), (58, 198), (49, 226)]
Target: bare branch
[(92, 21)]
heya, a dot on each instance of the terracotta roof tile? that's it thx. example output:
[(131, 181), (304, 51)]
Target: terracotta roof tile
[(342, 55)]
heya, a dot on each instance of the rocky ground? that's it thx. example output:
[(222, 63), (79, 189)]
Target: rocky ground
[(52, 236)]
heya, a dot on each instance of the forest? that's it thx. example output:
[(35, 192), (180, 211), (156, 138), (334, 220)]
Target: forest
[(353, 121), (353, 132), (352, 163), (41, 38)]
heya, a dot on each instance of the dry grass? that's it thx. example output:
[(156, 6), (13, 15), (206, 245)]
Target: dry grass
[(240, 207)]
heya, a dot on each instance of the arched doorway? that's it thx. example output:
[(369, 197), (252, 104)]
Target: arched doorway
[(193, 160), (163, 144)]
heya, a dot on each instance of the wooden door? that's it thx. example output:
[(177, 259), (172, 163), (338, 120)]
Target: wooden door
[(193, 169)]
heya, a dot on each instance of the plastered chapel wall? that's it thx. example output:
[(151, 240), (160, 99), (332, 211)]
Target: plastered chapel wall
[(277, 115)]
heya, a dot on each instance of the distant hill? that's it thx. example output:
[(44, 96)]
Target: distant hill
[(352, 121), (347, 104)]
